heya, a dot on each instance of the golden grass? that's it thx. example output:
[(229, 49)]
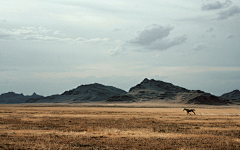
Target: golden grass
[(118, 128)]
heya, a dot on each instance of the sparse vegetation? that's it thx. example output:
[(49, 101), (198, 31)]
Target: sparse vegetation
[(118, 128)]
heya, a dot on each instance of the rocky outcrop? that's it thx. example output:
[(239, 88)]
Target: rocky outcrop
[(207, 99), (147, 90), (234, 95), (158, 86), (165, 92), (84, 93), (156, 90), (14, 98)]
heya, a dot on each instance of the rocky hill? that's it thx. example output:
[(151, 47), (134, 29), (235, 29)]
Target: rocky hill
[(160, 91), (146, 91), (84, 93), (157, 86), (233, 96), (14, 98), (204, 98)]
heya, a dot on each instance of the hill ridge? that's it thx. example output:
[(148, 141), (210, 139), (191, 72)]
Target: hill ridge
[(160, 91), (158, 85), (146, 90), (83, 93)]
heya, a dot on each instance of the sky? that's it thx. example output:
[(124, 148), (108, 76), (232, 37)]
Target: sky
[(49, 47)]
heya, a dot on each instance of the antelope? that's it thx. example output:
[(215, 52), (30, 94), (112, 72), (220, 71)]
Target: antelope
[(189, 110)]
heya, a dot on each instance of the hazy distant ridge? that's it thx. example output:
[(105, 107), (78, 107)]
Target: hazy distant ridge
[(84, 93), (147, 90), (14, 98)]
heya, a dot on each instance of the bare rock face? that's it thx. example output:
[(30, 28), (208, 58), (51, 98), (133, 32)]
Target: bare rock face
[(156, 90), (84, 93), (233, 96), (149, 90), (158, 86), (93, 92), (160, 91)]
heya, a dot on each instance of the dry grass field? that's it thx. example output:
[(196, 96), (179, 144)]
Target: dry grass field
[(23, 127)]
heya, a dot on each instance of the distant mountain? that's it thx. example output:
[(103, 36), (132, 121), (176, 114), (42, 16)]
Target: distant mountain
[(160, 91), (84, 93), (158, 86), (14, 98), (205, 98), (233, 96), (147, 90)]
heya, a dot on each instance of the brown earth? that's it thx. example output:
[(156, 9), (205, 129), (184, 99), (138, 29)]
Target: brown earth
[(61, 127)]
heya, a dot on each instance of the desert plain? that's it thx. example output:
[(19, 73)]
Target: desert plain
[(60, 126)]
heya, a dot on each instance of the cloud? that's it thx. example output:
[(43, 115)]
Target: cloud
[(5, 34), (154, 37), (228, 13), (230, 36), (117, 30), (43, 34), (213, 36), (92, 40), (199, 46), (116, 51), (216, 5), (98, 40), (56, 32), (210, 29), (150, 34), (164, 44), (27, 33)]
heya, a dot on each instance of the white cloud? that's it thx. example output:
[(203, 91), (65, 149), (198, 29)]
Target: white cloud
[(216, 5), (228, 13), (199, 46), (56, 32), (27, 33), (151, 34), (43, 30), (43, 34), (118, 50), (97, 40), (92, 40), (155, 37)]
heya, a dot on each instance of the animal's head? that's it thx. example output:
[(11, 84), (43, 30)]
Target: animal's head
[(183, 109)]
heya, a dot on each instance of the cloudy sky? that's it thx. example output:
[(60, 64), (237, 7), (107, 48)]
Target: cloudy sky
[(48, 47)]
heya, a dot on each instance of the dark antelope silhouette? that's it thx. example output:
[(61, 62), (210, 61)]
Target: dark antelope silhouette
[(189, 110)]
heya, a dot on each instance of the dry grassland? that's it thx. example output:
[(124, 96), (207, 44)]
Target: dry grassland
[(118, 128)]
